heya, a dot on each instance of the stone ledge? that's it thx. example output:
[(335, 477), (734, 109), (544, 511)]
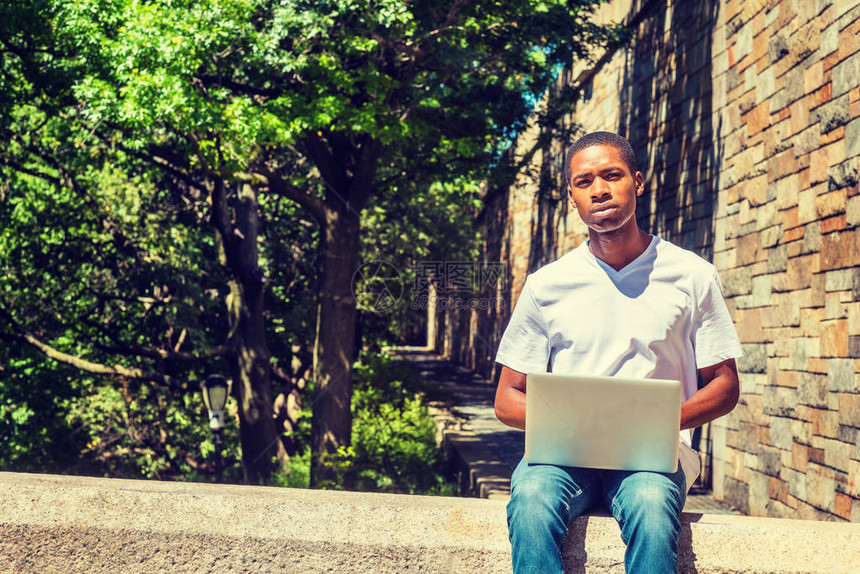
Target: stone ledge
[(76, 524)]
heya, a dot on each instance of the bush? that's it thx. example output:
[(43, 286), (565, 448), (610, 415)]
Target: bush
[(393, 435)]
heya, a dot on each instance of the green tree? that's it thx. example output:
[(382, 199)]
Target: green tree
[(227, 105)]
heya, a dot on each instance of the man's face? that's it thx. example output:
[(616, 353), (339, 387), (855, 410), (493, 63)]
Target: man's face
[(602, 188)]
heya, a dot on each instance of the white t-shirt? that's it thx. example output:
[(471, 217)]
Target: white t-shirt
[(661, 317)]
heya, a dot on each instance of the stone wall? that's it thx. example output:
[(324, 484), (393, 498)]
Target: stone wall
[(746, 120), (786, 77)]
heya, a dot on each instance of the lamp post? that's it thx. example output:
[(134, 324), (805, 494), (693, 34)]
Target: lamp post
[(215, 392)]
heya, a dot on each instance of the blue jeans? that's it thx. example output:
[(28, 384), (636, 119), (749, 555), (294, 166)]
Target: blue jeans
[(546, 498)]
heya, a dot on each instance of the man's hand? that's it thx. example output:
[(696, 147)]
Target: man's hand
[(511, 398), (717, 398)]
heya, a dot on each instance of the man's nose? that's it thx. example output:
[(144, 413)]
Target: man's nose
[(600, 189)]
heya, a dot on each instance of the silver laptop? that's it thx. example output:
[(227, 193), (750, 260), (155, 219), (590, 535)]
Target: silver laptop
[(603, 422)]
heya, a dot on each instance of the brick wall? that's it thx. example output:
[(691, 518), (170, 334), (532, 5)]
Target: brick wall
[(746, 120), (786, 79)]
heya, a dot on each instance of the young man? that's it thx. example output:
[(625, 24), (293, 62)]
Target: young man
[(629, 304)]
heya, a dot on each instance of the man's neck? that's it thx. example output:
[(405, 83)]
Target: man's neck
[(618, 248)]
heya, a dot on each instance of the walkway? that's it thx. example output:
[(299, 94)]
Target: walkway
[(476, 405)]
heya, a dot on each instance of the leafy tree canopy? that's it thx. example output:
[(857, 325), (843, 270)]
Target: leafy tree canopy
[(164, 162)]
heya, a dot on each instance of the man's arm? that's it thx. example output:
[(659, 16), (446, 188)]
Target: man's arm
[(511, 398), (718, 397)]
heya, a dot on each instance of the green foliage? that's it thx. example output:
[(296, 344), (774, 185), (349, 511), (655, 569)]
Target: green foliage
[(106, 258), (393, 435), (107, 270), (404, 227), (233, 83), (33, 394), (117, 120), (137, 431), (53, 420), (394, 445)]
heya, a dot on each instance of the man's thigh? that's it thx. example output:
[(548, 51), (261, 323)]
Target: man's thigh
[(576, 489), (624, 490)]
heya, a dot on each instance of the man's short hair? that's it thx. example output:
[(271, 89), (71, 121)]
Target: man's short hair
[(601, 138)]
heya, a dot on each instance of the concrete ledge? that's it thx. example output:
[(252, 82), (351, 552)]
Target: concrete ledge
[(74, 524)]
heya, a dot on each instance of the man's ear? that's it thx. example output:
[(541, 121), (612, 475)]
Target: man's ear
[(640, 183)]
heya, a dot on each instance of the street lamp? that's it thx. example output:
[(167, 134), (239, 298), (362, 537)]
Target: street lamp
[(215, 391)]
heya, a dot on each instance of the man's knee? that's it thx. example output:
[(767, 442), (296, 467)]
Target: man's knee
[(536, 491), (656, 496), (655, 510), (649, 497), (648, 510), (542, 492)]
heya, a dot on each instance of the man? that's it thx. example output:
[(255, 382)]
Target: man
[(629, 304)]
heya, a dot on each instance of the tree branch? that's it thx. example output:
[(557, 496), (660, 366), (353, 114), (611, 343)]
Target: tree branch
[(333, 175), (79, 363), (120, 347), (174, 356), (279, 186), (221, 221), (169, 165), (445, 26), (33, 173)]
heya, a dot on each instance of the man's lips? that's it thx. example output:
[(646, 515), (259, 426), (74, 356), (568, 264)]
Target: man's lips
[(604, 209)]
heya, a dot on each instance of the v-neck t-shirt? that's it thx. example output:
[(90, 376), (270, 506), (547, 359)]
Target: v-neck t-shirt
[(662, 316)]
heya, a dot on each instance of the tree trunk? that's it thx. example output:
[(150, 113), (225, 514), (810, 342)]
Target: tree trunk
[(251, 369), (334, 348)]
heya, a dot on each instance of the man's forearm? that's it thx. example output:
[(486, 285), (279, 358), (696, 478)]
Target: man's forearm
[(511, 407), (714, 400), (510, 402)]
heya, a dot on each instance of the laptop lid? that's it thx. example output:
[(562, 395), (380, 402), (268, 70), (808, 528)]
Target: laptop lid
[(603, 422)]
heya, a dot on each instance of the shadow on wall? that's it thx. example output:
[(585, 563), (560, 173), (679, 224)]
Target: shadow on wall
[(666, 113), (541, 183), (475, 345)]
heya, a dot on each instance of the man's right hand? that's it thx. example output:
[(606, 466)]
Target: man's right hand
[(511, 398)]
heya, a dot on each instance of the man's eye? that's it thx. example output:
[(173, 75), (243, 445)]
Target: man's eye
[(583, 183)]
